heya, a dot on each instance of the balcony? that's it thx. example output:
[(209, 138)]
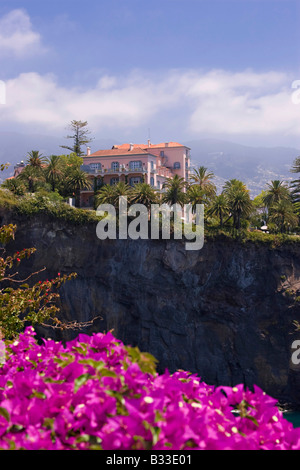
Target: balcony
[(112, 171), (121, 171)]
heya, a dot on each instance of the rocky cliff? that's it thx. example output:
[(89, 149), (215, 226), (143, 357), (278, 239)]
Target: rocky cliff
[(225, 312)]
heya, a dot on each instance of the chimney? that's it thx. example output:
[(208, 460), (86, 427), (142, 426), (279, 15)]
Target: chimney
[(167, 144), (130, 147), (88, 151), (149, 143)]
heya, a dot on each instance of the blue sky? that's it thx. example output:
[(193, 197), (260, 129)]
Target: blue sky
[(185, 69)]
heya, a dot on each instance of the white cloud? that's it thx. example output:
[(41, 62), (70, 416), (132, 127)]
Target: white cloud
[(244, 103), (215, 102), (17, 36)]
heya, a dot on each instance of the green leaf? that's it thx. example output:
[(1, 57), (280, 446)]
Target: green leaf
[(5, 414), (97, 365), (81, 380), (252, 419), (108, 373)]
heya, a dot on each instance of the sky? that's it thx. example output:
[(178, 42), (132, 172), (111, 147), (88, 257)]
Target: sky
[(168, 70)]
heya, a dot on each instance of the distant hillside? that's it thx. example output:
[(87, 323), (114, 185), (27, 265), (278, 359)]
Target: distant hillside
[(256, 166)]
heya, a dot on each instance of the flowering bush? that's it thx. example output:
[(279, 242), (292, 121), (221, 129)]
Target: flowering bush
[(96, 393), (35, 304)]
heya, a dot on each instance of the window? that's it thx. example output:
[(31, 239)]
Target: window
[(176, 165), (158, 184), (135, 165), (114, 181), (135, 180), (152, 165), (162, 153), (152, 181), (95, 166), (115, 166)]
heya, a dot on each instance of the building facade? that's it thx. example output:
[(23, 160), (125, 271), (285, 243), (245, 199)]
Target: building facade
[(132, 164)]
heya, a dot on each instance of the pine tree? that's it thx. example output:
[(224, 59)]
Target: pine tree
[(79, 136)]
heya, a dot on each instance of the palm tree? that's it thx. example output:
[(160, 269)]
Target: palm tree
[(196, 195), (105, 195), (33, 171), (121, 189), (240, 205), (239, 202), (202, 177), (31, 176), (110, 194), (220, 208), (143, 193), (233, 185), (175, 191), (77, 181), (36, 160), (277, 191), (54, 171), (282, 214)]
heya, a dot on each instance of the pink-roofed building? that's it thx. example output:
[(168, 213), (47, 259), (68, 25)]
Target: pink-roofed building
[(132, 164)]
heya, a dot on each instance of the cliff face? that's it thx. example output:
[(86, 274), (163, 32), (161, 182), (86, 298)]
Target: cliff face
[(222, 312)]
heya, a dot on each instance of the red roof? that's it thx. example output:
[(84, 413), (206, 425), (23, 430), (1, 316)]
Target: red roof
[(146, 146), (119, 151)]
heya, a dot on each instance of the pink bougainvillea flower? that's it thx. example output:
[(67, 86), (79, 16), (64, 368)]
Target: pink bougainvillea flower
[(92, 393)]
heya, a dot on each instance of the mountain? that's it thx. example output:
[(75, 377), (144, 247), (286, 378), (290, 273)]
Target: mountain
[(255, 166)]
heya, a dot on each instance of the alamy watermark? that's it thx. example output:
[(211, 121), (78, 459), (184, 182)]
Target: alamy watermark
[(155, 223), (295, 358), (296, 93), (2, 92)]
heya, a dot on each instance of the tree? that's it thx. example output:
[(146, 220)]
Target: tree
[(219, 207), (175, 191), (202, 177), (240, 206), (76, 182), (276, 191), (195, 195), (54, 171), (296, 166), (32, 176), (120, 189), (110, 194), (79, 135), (239, 202), (295, 184), (36, 160), (260, 213), (233, 185), (282, 214), (33, 173), (105, 195), (143, 193)]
